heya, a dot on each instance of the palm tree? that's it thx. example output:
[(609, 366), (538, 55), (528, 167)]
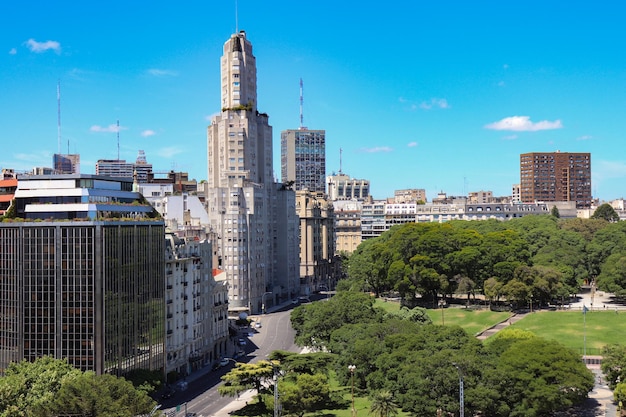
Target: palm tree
[(383, 405)]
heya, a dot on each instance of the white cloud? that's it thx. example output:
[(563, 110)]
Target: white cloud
[(440, 103), (377, 149), (412, 144), (402, 100), (510, 137), (107, 129), (584, 137), (162, 73), (147, 133), (13, 51), (169, 151), (523, 124), (39, 47)]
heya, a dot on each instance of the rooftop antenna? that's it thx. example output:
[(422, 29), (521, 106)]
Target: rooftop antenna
[(301, 103), (340, 152), (236, 17), (118, 139), (59, 115)]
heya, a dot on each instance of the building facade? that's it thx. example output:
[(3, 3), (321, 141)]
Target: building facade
[(66, 164), (88, 288), (343, 187), (318, 265), (303, 158), (196, 310), (347, 225), (556, 176), (240, 190)]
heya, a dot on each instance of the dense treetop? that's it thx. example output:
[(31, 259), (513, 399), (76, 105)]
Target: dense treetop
[(544, 258)]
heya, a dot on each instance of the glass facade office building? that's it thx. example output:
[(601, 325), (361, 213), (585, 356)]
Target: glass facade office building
[(91, 292)]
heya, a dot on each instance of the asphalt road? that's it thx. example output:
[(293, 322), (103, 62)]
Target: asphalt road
[(201, 396)]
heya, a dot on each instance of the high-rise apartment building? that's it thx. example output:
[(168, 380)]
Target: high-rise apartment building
[(556, 176), (241, 193), (83, 277), (303, 158)]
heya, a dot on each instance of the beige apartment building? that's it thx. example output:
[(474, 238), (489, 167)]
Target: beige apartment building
[(318, 265), (241, 193)]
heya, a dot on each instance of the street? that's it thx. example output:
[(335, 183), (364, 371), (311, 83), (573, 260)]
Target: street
[(201, 396)]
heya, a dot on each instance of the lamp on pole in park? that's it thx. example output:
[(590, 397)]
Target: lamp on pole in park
[(461, 395), (276, 405), (352, 368), (263, 301)]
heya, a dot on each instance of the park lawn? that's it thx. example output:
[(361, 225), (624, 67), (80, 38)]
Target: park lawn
[(473, 321), (572, 328)]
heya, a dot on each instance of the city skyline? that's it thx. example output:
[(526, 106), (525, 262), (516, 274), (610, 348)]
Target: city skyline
[(443, 97)]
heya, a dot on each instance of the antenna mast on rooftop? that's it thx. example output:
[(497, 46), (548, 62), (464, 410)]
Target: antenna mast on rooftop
[(340, 152), (236, 17), (118, 139), (301, 106), (59, 115)]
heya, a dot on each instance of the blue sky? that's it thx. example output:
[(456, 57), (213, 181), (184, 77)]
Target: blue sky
[(440, 95)]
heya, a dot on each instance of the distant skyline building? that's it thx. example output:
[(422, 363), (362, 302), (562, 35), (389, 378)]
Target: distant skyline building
[(303, 158), (344, 187), (240, 189), (119, 168), (556, 176), (66, 164)]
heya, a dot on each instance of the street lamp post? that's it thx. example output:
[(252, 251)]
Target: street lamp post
[(352, 368), (461, 394), (276, 411)]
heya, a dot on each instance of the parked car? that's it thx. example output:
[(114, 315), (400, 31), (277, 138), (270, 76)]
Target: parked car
[(257, 325), (242, 341), (224, 362)]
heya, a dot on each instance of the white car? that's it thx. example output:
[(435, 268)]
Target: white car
[(257, 325)]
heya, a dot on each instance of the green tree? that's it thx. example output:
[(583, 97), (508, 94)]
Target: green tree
[(606, 212), (315, 322), (555, 212), (614, 364), (538, 377), (305, 394), (383, 404), (245, 376), (88, 394), (27, 388)]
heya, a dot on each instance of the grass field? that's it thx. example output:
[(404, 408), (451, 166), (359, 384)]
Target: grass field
[(572, 328), (473, 321)]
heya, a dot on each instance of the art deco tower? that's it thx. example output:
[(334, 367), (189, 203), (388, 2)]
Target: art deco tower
[(241, 193)]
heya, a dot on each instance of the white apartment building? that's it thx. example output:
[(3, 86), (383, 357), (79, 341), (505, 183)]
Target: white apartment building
[(196, 307), (343, 187)]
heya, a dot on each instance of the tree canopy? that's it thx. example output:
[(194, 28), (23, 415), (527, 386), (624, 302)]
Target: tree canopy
[(48, 387), (432, 260)]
